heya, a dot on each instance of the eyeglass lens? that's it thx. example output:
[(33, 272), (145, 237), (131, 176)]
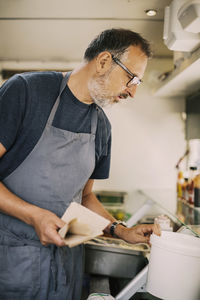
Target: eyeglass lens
[(134, 81)]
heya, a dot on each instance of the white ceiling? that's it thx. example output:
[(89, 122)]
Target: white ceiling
[(60, 30)]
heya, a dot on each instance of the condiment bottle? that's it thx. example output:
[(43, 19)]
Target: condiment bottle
[(193, 171), (185, 189), (179, 186), (197, 191)]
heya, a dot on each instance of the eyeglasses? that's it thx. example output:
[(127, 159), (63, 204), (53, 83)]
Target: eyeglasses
[(134, 80)]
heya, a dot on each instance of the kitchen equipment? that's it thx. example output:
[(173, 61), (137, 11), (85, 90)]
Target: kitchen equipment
[(194, 154), (189, 16), (114, 257), (174, 266), (190, 230), (114, 202), (175, 36)]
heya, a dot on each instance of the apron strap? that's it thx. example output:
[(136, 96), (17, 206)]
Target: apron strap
[(62, 87), (55, 106), (94, 120)]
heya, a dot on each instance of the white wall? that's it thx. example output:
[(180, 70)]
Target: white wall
[(148, 138)]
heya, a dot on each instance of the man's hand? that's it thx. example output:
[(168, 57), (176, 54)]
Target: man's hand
[(46, 225), (137, 234)]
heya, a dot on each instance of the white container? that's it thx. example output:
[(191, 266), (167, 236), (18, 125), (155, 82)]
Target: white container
[(174, 267), (194, 154)]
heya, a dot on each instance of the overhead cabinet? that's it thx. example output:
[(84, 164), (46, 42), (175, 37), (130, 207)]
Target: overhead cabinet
[(183, 80)]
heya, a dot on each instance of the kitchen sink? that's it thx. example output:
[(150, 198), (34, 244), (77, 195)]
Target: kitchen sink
[(114, 257)]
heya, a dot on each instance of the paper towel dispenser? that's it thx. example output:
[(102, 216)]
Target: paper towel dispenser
[(182, 25), (189, 16)]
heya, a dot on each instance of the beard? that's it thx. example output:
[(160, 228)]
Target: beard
[(98, 92)]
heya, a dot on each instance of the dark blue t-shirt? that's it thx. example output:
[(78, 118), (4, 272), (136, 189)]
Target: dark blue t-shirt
[(26, 101)]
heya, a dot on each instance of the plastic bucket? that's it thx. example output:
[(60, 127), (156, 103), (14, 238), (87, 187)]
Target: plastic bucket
[(174, 267)]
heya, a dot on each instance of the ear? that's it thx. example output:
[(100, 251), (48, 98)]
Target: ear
[(103, 62)]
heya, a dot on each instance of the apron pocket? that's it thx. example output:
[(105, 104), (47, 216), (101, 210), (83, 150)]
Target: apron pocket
[(19, 271)]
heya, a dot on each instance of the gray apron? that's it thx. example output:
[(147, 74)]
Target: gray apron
[(51, 177)]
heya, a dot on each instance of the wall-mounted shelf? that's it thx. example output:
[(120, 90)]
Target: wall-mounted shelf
[(183, 81)]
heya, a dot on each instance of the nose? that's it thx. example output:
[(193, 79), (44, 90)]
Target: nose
[(131, 90)]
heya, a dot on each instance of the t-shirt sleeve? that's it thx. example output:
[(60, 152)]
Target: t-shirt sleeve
[(12, 108), (102, 167)]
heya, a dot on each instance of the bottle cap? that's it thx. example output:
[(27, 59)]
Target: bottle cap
[(193, 168)]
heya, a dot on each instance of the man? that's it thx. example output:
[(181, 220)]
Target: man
[(54, 141)]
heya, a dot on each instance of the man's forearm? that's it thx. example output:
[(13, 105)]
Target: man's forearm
[(137, 234), (91, 202)]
